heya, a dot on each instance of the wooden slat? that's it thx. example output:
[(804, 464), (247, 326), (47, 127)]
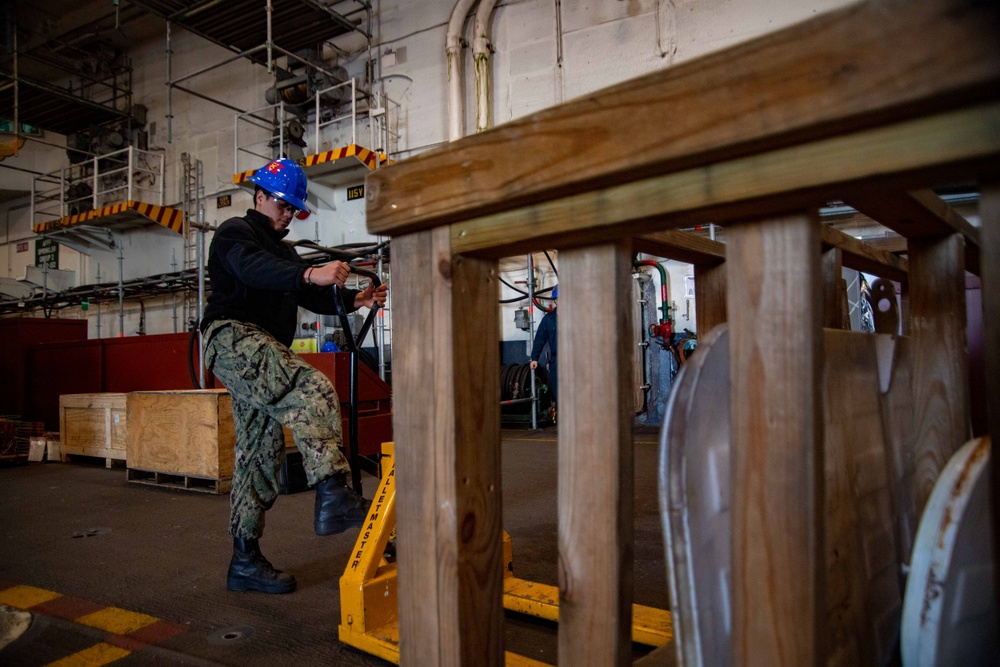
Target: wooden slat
[(899, 426), (778, 559), (709, 296), (680, 246), (863, 594), (476, 353), (892, 244), (920, 213), (940, 370), (448, 473), (748, 187), (843, 71), (595, 456), (860, 256), (423, 429)]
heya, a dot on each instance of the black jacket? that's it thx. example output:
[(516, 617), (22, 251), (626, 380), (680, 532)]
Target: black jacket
[(257, 278)]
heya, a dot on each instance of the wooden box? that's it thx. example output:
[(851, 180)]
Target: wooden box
[(93, 425), (184, 439)]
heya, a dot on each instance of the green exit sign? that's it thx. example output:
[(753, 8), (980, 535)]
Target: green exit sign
[(356, 192)]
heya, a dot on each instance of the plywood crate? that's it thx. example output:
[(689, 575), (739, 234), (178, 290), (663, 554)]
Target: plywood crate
[(183, 439), (93, 425)]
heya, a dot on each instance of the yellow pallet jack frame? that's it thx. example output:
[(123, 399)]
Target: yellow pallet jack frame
[(369, 611)]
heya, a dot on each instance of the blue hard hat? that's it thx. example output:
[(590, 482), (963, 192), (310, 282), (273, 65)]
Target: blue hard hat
[(555, 292), (284, 179)]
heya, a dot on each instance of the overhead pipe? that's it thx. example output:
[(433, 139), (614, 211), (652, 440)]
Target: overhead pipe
[(481, 59), (453, 50)]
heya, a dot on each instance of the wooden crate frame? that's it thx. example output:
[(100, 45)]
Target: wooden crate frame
[(873, 104), (182, 439), (93, 425)]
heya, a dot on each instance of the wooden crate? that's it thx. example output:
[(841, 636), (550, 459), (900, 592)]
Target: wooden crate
[(183, 439), (93, 425)]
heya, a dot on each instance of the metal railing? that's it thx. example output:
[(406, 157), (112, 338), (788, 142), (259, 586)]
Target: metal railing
[(337, 115), (129, 174)]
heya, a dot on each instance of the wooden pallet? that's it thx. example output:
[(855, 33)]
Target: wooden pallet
[(176, 481), (111, 458)]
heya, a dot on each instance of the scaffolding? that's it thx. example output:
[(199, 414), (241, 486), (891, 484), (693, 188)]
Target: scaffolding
[(193, 206), (314, 24), (94, 88), (326, 125), (129, 174)]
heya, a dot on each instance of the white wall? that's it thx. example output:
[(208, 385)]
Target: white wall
[(601, 42)]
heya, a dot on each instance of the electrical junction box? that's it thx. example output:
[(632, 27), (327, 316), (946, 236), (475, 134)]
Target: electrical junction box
[(521, 319)]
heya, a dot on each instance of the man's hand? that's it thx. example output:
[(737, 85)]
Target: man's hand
[(334, 273), (534, 365), (371, 295)]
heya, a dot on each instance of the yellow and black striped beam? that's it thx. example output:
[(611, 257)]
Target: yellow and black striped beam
[(171, 218), (367, 157)]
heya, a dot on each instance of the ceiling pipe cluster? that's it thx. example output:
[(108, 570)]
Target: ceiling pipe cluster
[(454, 43)]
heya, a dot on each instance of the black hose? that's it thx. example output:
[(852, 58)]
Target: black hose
[(191, 341), (550, 263), (515, 385)]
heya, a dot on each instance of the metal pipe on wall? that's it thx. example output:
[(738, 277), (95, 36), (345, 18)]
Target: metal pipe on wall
[(121, 288), (98, 279), (531, 337), (170, 90), (17, 119), (201, 292), (481, 60), (453, 52), (380, 329), (270, 41)]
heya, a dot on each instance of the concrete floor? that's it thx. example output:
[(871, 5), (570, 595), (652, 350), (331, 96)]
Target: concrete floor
[(76, 539)]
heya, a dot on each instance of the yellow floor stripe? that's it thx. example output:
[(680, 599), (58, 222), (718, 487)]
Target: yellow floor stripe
[(25, 597), (117, 621), (95, 656)]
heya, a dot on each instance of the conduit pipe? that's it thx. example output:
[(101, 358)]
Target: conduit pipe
[(481, 59), (453, 50), (664, 287)]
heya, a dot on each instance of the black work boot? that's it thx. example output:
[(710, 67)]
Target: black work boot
[(250, 571), (338, 507)]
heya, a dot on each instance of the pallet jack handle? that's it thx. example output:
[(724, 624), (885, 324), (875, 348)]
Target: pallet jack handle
[(354, 350)]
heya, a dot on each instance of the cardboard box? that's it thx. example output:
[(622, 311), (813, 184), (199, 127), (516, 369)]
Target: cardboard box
[(36, 450)]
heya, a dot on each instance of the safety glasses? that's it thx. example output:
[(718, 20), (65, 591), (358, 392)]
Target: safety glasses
[(285, 206)]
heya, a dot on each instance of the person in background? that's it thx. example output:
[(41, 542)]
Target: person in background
[(258, 284), (546, 335)]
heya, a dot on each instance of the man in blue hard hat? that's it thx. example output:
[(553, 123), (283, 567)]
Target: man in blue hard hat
[(258, 284)]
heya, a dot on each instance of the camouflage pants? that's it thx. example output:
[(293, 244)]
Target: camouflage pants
[(271, 386)]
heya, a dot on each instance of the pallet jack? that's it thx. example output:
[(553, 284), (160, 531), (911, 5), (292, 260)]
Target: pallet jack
[(368, 603)]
